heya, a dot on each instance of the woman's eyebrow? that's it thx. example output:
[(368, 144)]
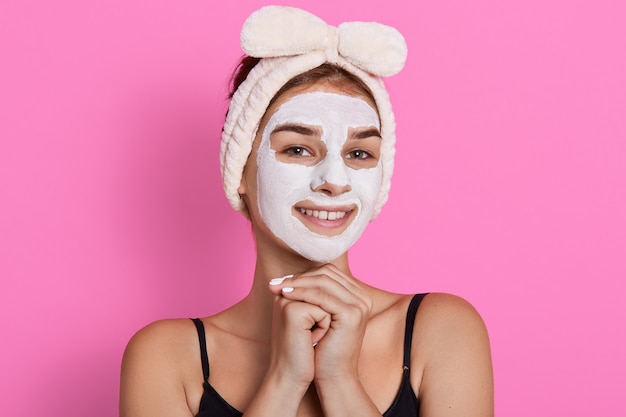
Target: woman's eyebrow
[(296, 128), (367, 133)]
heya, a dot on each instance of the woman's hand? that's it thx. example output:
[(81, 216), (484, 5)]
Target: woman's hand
[(344, 308), (339, 337), (296, 328)]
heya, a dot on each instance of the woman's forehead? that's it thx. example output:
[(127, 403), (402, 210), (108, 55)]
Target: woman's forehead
[(293, 96), (318, 108)]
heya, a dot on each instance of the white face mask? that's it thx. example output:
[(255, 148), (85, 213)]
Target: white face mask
[(283, 187)]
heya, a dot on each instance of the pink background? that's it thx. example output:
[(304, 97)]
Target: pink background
[(510, 188)]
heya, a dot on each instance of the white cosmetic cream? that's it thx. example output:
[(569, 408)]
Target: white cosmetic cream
[(282, 185)]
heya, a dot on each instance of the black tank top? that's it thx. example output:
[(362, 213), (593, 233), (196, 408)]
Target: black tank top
[(405, 404)]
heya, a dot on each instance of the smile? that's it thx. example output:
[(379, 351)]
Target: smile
[(323, 214), (325, 220)]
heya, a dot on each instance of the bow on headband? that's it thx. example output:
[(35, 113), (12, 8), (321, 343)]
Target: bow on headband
[(275, 31)]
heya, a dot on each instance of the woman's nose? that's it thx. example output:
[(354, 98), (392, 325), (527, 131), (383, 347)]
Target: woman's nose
[(331, 177)]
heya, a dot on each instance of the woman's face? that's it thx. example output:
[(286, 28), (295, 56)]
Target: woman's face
[(314, 174)]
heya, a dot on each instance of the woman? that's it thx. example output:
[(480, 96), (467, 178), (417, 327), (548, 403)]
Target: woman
[(307, 155)]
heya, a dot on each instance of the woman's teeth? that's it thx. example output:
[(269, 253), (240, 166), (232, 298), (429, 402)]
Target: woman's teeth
[(323, 214)]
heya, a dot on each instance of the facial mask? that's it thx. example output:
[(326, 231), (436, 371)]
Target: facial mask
[(281, 185)]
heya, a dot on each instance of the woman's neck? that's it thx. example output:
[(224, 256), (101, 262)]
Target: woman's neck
[(254, 312)]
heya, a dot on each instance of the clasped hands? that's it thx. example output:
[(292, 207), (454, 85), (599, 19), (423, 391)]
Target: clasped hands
[(319, 322)]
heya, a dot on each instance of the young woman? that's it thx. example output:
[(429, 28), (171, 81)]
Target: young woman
[(307, 155)]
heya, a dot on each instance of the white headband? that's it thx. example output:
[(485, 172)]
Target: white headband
[(290, 42)]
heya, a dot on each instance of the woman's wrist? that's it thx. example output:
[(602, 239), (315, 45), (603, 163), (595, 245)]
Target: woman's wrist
[(282, 377), (344, 396), (277, 395)]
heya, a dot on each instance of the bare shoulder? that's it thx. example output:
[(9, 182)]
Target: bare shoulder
[(441, 312), (156, 368), (452, 350), (163, 335), (163, 343), (448, 328)]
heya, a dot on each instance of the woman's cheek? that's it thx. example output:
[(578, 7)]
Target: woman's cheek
[(366, 184)]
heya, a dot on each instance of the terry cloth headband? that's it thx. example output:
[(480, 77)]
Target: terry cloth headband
[(292, 41)]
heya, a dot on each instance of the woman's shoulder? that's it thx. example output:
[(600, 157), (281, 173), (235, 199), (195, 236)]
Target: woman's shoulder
[(452, 343), (440, 314), (170, 348), (159, 359), (162, 337), (433, 306), (446, 322), (440, 308)]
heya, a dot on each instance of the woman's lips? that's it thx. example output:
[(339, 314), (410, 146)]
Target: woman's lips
[(325, 220), (323, 214)]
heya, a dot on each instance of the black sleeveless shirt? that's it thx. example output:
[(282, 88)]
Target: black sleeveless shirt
[(405, 404)]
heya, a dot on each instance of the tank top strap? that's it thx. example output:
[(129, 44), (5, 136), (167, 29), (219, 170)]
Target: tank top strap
[(203, 354), (408, 332)]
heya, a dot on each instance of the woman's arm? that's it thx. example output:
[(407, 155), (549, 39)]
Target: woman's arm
[(452, 344)]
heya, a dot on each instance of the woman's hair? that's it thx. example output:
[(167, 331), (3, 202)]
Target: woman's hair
[(327, 73)]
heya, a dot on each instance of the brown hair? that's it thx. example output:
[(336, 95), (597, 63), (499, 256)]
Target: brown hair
[(327, 73)]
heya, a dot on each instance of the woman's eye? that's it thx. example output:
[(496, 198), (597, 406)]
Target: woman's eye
[(358, 154), (297, 151)]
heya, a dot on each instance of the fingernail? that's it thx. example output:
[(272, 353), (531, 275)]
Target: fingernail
[(278, 281), (288, 289)]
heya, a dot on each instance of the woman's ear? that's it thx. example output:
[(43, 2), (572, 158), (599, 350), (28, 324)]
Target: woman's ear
[(243, 194), (243, 186), (242, 190)]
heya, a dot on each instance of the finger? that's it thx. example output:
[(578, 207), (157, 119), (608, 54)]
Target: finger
[(328, 285), (302, 315), (350, 282), (338, 275), (275, 283), (278, 285), (320, 329), (355, 310), (324, 277), (306, 318)]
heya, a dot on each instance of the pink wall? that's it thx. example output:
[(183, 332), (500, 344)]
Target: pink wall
[(510, 187)]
